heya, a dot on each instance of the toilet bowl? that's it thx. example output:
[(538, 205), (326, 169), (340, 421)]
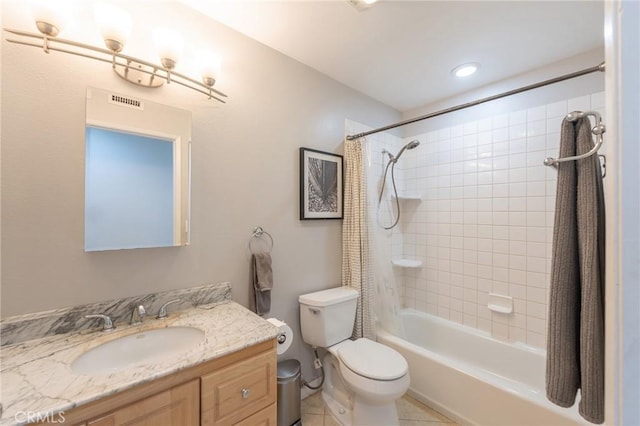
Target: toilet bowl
[(372, 377), (372, 370), (363, 378)]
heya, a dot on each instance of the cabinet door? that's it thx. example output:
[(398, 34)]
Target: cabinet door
[(264, 417), (239, 390), (178, 406)]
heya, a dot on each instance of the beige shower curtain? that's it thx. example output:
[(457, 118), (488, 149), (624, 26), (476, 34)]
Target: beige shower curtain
[(356, 260)]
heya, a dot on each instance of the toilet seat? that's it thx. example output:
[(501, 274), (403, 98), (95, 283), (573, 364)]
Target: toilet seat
[(372, 360)]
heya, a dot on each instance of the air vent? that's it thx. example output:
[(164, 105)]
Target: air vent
[(126, 101)]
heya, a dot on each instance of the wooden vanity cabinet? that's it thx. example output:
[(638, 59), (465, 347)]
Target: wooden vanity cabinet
[(228, 394), (236, 389), (175, 406)]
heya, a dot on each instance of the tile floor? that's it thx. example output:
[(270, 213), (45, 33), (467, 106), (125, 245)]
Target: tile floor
[(410, 411)]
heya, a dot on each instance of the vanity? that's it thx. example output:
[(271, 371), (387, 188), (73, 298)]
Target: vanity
[(235, 389), (221, 370)]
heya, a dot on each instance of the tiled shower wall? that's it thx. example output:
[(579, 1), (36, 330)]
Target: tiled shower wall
[(484, 223)]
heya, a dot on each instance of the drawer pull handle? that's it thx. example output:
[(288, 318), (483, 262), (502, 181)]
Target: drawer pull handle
[(245, 393)]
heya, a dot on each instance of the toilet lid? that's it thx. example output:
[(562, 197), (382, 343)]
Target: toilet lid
[(373, 360)]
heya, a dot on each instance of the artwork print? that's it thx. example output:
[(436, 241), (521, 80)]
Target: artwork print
[(320, 185)]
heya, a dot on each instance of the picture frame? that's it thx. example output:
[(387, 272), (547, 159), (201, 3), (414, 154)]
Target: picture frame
[(321, 185)]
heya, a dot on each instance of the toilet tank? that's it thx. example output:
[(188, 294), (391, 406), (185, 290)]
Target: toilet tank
[(327, 317)]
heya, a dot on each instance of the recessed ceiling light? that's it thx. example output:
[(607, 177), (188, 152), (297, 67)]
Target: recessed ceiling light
[(465, 70), (361, 4)]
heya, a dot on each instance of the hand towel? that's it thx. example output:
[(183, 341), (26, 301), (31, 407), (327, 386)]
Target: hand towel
[(575, 340), (262, 278)]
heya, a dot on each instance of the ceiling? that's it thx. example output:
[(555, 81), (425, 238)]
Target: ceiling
[(402, 52)]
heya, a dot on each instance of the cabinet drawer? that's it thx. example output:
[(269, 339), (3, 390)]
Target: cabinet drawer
[(239, 390)]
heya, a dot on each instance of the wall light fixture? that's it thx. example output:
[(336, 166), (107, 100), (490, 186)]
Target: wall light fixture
[(115, 27)]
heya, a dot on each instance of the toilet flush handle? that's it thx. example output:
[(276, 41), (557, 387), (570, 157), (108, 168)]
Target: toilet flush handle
[(314, 311)]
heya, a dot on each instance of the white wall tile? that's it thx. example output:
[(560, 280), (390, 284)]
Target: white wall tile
[(517, 117), (537, 113), (557, 109), (487, 220), (500, 121), (536, 339), (470, 127), (518, 277), (501, 135), (518, 262), (515, 175), (581, 103), (470, 140), (598, 100), (500, 331), (485, 137), (442, 134), (536, 128), (517, 146)]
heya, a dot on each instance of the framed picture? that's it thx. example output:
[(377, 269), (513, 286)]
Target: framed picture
[(320, 185)]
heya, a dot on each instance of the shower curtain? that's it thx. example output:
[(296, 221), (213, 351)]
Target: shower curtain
[(356, 261), (387, 301), (366, 246)]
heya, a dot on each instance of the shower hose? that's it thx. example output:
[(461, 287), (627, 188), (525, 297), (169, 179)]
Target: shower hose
[(391, 163)]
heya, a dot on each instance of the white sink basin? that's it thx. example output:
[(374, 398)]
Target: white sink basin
[(139, 348)]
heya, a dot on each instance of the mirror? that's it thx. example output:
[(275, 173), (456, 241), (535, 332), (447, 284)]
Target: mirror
[(137, 173)]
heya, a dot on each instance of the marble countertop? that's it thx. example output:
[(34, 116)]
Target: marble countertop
[(37, 378)]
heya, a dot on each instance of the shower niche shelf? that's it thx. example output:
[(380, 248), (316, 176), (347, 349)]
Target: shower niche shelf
[(410, 196), (407, 263)]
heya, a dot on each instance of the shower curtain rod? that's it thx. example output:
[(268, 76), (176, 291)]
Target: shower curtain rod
[(586, 71)]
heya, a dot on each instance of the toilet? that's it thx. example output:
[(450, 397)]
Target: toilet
[(363, 378)]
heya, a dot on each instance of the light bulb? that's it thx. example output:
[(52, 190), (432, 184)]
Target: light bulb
[(114, 23), (208, 65), (51, 16), (169, 44)]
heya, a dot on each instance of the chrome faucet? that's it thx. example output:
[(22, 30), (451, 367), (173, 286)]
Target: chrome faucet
[(107, 325), (162, 313), (138, 314)]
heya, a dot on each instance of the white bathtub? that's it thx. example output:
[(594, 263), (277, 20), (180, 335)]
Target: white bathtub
[(473, 378)]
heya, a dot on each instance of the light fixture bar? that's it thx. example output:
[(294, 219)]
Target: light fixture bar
[(110, 58)]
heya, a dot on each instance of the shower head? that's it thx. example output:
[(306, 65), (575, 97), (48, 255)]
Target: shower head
[(414, 143)]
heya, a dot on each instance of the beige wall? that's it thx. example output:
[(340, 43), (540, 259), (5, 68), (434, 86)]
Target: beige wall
[(245, 170)]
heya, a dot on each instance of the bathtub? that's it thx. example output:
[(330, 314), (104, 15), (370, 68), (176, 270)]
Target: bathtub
[(473, 378)]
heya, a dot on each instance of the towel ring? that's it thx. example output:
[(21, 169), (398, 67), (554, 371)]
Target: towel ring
[(258, 232)]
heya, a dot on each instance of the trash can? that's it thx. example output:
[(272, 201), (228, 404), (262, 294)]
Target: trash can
[(289, 383)]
